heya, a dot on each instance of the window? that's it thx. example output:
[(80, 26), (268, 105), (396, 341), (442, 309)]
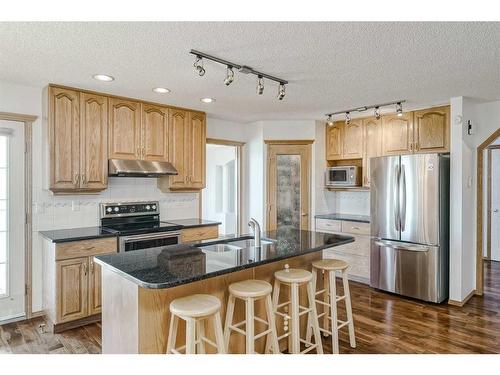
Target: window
[(4, 183)]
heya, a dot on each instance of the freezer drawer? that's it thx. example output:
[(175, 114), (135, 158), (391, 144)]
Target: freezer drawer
[(408, 269)]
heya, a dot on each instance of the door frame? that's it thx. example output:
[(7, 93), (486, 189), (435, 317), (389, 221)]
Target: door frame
[(479, 210), (488, 200), (274, 142), (26, 121), (239, 153)]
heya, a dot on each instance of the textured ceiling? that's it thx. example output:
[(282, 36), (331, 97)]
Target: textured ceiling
[(330, 66)]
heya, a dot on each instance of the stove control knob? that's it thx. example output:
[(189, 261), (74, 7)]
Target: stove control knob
[(109, 209), (117, 209), (148, 207), (153, 206)]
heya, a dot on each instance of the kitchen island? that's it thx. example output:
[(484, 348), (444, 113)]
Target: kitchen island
[(138, 286)]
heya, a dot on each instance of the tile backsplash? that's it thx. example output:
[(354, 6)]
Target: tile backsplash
[(344, 202), (60, 212)]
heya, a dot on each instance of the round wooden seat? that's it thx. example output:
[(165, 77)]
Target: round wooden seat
[(293, 275), (331, 264), (250, 288), (195, 306)]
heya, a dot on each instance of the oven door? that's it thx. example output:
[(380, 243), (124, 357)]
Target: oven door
[(149, 240)]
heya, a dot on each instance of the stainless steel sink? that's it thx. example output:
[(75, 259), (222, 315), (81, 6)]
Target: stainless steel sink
[(220, 247), (234, 245), (250, 243)]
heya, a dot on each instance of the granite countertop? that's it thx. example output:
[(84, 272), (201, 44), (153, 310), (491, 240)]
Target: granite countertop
[(193, 223), (76, 234), (345, 217), (166, 267)]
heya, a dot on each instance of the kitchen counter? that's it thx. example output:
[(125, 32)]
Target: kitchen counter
[(193, 223), (76, 234), (345, 217), (138, 287), (166, 267)]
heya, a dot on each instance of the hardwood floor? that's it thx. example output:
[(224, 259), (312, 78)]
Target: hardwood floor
[(384, 324)]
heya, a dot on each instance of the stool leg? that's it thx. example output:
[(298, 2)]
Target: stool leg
[(200, 327), (190, 336), (229, 321), (294, 313), (326, 310), (276, 298), (309, 321), (333, 308), (172, 333), (219, 336), (314, 317), (272, 336), (250, 329), (347, 294)]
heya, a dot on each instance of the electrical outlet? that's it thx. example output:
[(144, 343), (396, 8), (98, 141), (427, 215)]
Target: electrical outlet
[(75, 205)]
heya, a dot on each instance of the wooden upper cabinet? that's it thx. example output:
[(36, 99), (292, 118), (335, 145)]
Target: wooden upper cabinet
[(372, 132), (353, 140), (124, 129), (154, 133), (334, 140), (432, 130), (178, 128), (71, 284), (64, 138), (93, 141), (196, 150), (397, 134)]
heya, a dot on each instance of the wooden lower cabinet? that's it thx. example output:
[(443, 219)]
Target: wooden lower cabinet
[(72, 281), (71, 289)]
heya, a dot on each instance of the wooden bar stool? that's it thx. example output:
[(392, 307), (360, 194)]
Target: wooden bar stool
[(194, 310), (329, 268), (294, 278), (251, 291)]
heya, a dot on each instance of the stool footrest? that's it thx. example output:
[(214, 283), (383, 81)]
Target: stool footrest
[(342, 323), (322, 302), (261, 320), (264, 333)]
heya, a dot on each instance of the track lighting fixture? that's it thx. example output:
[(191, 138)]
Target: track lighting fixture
[(281, 91), (399, 109), (229, 75), (260, 85), (242, 69), (347, 118), (376, 110), (198, 65), (329, 121)]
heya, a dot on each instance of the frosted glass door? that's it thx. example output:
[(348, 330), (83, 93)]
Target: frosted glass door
[(288, 187)]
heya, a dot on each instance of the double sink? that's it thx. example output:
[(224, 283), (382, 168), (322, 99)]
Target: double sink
[(235, 244)]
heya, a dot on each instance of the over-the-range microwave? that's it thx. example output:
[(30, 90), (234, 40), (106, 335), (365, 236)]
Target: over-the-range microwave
[(345, 176)]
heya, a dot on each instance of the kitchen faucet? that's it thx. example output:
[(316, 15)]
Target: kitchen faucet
[(256, 231)]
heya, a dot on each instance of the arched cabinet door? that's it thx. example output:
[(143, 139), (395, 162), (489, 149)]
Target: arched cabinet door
[(178, 129), (372, 131), (353, 140), (196, 150), (154, 133), (124, 129), (334, 140), (397, 134), (432, 130)]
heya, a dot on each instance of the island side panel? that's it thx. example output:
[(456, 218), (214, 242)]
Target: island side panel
[(120, 311)]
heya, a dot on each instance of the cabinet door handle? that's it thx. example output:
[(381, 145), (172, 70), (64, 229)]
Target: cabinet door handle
[(355, 228), (84, 178), (411, 146), (417, 146), (75, 180), (92, 267), (139, 151), (85, 268)]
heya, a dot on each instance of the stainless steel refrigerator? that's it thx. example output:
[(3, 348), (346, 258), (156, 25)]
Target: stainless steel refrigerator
[(409, 202)]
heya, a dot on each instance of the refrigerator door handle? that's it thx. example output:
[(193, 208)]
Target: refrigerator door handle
[(402, 184), (398, 246), (396, 198)]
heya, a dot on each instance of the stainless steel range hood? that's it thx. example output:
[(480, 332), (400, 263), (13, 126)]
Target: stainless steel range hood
[(140, 168)]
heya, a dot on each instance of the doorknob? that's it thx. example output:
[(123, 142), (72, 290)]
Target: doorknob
[(495, 210)]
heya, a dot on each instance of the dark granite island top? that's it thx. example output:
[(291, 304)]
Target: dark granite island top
[(166, 267)]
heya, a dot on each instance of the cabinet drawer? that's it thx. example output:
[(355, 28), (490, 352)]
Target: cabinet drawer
[(354, 227), (360, 247), (359, 266), (326, 225), (68, 250), (201, 233)]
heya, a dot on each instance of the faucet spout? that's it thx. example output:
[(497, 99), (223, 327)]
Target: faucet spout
[(254, 224)]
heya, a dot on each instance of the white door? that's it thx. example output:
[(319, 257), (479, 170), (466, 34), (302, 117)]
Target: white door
[(495, 204), (12, 220)]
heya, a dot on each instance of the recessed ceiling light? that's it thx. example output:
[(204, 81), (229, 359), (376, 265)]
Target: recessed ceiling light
[(207, 100), (103, 77), (161, 90)]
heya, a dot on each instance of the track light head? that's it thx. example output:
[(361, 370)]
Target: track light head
[(347, 118), (281, 91), (376, 113), (229, 76), (329, 120), (399, 109), (198, 65), (260, 85)]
